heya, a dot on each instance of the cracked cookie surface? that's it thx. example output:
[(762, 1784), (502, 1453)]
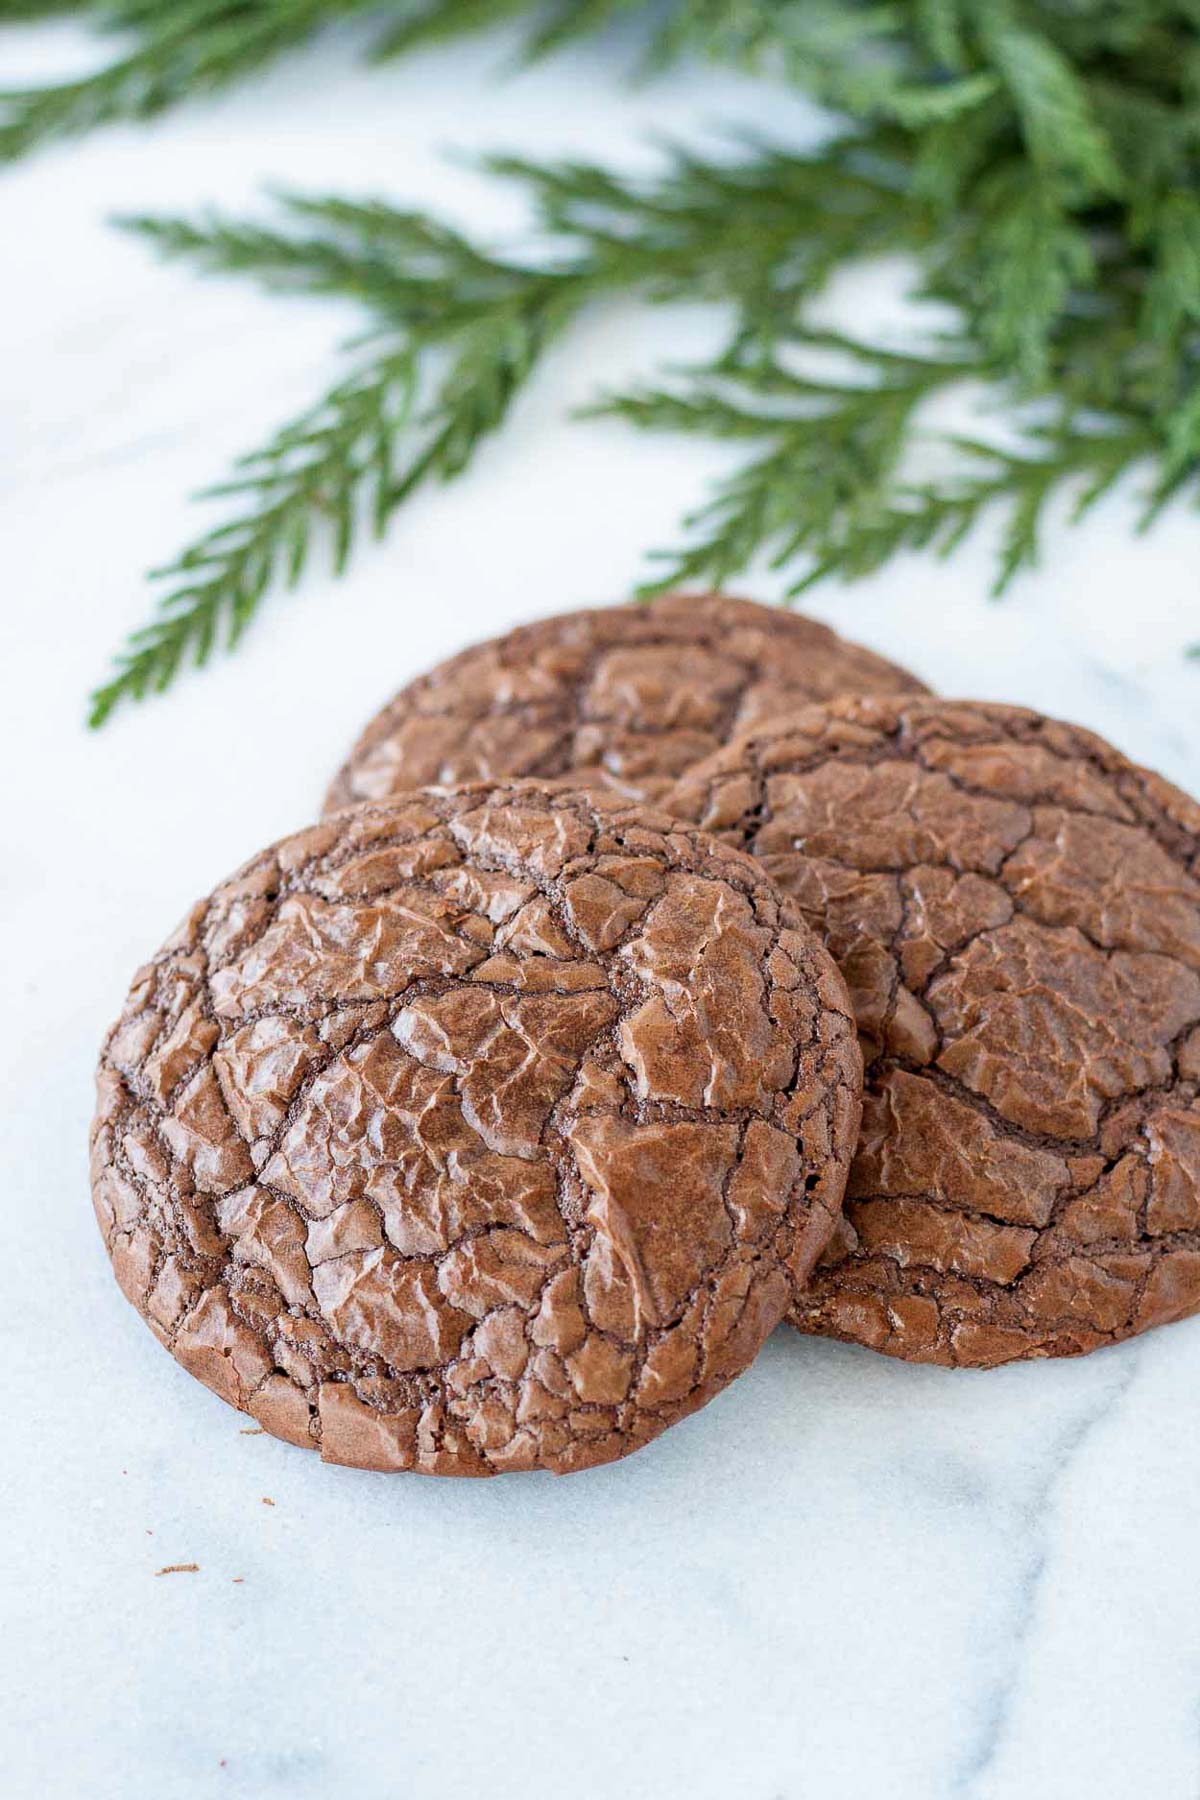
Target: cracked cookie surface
[(485, 1130), (626, 697), (1016, 910)]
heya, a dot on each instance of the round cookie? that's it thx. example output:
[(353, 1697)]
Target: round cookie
[(1016, 910), (627, 697), (488, 1130)]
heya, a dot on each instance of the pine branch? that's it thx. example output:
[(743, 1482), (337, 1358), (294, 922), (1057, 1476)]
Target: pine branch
[(181, 48), (1038, 165), (438, 381), (1058, 124), (489, 316), (1077, 464), (830, 485), (906, 61), (318, 467), (176, 49), (409, 269), (823, 486), (1017, 265), (765, 229), (20, 11), (441, 21)]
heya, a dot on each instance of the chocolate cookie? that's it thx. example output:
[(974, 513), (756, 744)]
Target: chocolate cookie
[(625, 696), (1016, 910), (487, 1130)]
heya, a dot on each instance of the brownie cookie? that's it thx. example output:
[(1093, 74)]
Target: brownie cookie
[(1016, 910), (488, 1130), (624, 696)]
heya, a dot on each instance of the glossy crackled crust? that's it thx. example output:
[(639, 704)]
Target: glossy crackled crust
[(1016, 909), (483, 1131), (624, 696)]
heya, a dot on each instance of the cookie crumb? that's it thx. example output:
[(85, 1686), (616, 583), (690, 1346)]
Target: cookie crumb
[(179, 1569), (267, 1502), (252, 1431)]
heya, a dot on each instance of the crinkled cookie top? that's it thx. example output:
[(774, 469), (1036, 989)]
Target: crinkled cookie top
[(487, 1130), (1016, 910), (626, 697)]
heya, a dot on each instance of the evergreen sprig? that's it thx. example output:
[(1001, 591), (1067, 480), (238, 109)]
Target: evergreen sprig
[(457, 335), (1039, 164), (321, 464), (170, 50)]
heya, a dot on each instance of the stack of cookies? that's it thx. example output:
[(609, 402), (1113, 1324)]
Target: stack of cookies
[(657, 974)]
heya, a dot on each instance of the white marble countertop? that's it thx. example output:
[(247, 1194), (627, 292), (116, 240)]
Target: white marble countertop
[(846, 1578)]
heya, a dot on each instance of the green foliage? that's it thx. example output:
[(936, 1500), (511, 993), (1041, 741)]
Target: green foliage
[(829, 488), (1039, 164), (825, 477), (458, 334), (1062, 136), (175, 49), (1016, 262), (920, 63), (22, 11), (323, 464)]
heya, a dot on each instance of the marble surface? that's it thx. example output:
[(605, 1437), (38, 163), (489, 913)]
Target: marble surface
[(846, 1578)]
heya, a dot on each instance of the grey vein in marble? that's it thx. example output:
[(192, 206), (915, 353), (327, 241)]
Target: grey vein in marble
[(1035, 1525)]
